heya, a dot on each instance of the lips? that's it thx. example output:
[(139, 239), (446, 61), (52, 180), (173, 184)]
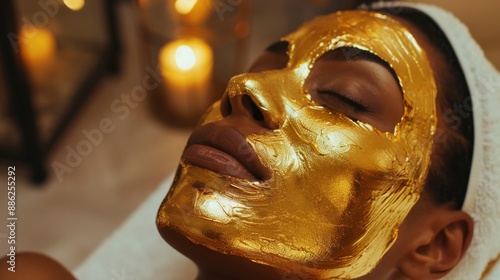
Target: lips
[(224, 150)]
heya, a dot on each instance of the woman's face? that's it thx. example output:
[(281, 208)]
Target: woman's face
[(312, 165)]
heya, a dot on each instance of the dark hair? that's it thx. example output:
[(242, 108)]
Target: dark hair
[(451, 158)]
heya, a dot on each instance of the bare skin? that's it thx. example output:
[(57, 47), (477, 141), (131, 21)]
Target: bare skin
[(34, 266)]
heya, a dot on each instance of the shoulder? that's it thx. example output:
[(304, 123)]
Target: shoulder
[(29, 265)]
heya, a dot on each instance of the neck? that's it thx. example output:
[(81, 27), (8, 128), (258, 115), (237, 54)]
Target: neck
[(205, 274)]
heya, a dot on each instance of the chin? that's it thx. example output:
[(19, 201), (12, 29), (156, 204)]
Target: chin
[(225, 266), (208, 261)]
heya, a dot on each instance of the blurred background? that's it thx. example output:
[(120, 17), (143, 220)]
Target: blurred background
[(97, 99)]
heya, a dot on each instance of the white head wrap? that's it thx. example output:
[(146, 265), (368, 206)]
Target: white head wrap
[(482, 200)]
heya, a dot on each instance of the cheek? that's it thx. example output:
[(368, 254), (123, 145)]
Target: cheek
[(334, 190), (345, 143), (302, 178), (329, 160)]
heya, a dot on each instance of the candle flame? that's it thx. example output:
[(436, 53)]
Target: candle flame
[(74, 5), (185, 57), (186, 61), (185, 6), (38, 51), (40, 44)]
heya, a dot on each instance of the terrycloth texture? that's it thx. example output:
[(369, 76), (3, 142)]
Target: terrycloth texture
[(483, 195), (494, 273), (137, 251)]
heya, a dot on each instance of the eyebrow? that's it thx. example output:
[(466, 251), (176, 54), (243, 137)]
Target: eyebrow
[(347, 53), (352, 53), (342, 53)]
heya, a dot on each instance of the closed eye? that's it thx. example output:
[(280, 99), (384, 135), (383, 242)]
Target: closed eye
[(353, 103), (361, 89)]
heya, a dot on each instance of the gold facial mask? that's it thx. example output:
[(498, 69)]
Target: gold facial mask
[(339, 188)]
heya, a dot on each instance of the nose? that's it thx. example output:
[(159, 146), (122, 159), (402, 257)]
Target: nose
[(242, 100)]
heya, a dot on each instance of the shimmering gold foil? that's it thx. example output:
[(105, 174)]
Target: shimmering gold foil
[(339, 188)]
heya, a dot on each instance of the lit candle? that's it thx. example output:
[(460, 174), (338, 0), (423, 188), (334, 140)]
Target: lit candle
[(186, 66), (38, 50), (191, 11)]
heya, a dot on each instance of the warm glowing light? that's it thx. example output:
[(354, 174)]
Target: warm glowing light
[(184, 57), (38, 50), (186, 61), (192, 12), (74, 5), (184, 6), (40, 44), (186, 67)]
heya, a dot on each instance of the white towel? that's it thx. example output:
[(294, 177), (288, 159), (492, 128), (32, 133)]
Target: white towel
[(136, 250)]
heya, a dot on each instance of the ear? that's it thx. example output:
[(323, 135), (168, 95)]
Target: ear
[(440, 247)]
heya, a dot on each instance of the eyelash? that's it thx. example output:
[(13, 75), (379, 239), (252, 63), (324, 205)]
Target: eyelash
[(353, 102)]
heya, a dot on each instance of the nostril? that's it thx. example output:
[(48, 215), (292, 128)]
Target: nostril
[(242, 105), (256, 113), (251, 108), (225, 106)]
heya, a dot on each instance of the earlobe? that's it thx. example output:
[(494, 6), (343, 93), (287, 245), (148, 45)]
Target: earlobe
[(455, 239), (440, 248)]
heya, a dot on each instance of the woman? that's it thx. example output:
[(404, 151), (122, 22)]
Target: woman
[(333, 158), (340, 155)]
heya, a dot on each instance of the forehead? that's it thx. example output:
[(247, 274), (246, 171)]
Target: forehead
[(368, 31)]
